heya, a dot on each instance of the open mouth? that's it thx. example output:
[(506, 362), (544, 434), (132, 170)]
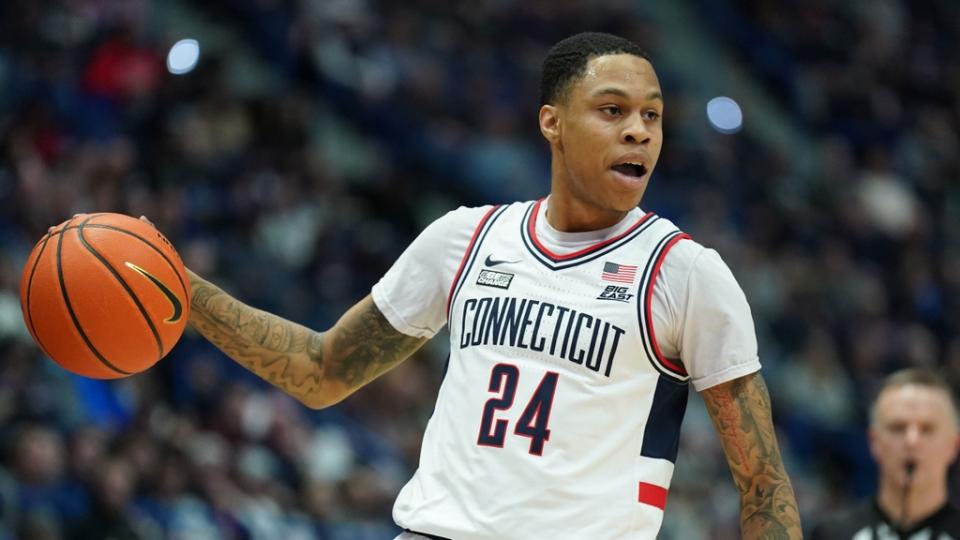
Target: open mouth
[(631, 169)]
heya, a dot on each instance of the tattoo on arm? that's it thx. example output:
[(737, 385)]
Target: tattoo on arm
[(364, 345), (740, 411), (317, 368)]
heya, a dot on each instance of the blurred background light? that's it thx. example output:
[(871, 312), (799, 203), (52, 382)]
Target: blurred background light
[(183, 56), (724, 115)]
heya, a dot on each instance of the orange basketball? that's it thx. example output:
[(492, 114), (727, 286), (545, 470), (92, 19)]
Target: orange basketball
[(105, 295)]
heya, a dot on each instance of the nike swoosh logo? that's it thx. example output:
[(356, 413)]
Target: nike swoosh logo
[(174, 301), (493, 262)]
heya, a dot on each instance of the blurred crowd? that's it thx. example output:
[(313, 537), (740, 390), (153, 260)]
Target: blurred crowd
[(297, 190)]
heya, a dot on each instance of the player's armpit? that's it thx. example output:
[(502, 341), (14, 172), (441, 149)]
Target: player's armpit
[(317, 368), (740, 411)]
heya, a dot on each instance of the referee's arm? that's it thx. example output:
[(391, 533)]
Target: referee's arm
[(318, 368), (740, 411)]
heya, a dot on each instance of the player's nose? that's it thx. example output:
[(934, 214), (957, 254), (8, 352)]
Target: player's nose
[(635, 130)]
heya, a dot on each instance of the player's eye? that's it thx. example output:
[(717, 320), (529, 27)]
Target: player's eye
[(651, 115), (611, 110)]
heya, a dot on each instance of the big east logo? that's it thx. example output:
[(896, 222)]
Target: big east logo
[(617, 293)]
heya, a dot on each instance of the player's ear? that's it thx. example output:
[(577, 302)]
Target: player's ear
[(550, 123)]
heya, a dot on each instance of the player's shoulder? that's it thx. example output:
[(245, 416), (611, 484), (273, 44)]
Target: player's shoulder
[(464, 215), (689, 260), (471, 216), (684, 253)]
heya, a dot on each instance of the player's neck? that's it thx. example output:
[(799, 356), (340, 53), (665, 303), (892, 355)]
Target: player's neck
[(568, 214), (923, 500)]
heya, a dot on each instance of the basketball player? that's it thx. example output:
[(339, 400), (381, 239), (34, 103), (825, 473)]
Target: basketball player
[(577, 323), (914, 438)]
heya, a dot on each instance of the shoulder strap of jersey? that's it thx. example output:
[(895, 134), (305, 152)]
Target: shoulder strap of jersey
[(672, 368), (470, 255)]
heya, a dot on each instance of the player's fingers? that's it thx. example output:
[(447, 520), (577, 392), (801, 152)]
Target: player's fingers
[(73, 217)]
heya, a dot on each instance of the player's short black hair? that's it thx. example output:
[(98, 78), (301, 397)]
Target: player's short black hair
[(567, 60)]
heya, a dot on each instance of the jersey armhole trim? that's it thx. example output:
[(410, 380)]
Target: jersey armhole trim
[(468, 256), (672, 368)]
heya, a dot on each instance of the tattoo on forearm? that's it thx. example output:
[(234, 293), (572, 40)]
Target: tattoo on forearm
[(294, 358), (262, 343), (740, 410)]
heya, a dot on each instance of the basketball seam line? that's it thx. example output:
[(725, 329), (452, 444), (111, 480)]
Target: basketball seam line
[(33, 271), (126, 287), (173, 267), (73, 316)]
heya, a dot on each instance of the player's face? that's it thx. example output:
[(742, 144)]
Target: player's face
[(608, 133), (914, 423)]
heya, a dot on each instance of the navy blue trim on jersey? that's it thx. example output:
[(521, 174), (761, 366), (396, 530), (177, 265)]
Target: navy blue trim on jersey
[(589, 254), (470, 257), (446, 367), (661, 437), (666, 367)]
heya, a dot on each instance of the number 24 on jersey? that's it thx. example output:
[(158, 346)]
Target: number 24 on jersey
[(533, 421)]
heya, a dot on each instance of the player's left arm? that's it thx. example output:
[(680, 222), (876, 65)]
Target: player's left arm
[(740, 411)]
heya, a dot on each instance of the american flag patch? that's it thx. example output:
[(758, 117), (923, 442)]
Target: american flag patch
[(619, 273)]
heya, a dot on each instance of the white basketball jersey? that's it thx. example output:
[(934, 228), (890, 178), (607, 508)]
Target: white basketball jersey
[(558, 417)]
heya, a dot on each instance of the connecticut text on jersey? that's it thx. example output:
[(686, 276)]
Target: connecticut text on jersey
[(557, 330)]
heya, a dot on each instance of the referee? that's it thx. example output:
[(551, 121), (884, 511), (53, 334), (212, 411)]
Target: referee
[(914, 438)]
